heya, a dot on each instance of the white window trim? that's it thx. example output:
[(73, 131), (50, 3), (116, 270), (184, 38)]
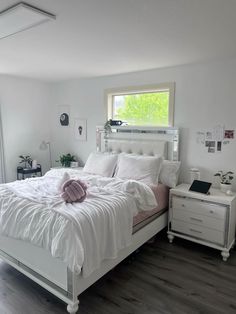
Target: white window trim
[(109, 93)]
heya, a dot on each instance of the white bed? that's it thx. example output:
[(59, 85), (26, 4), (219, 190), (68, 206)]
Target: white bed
[(54, 274)]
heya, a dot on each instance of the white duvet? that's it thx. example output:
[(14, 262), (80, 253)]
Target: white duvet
[(80, 234)]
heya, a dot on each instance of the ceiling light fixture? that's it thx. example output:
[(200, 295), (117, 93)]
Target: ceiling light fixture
[(20, 17)]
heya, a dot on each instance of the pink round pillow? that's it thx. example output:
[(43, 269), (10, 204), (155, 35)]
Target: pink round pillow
[(74, 191)]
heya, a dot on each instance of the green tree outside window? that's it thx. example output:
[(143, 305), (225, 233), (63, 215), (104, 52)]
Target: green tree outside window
[(143, 109)]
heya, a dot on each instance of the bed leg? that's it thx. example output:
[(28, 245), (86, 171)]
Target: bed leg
[(170, 237), (72, 308)]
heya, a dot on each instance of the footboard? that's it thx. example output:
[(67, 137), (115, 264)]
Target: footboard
[(53, 274), (35, 258)]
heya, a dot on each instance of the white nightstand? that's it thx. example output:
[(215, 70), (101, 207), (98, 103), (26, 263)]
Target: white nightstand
[(205, 219)]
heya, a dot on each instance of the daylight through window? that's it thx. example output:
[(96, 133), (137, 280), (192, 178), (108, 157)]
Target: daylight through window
[(143, 107)]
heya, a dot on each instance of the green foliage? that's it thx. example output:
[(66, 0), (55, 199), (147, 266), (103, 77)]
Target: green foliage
[(225, 178), (65, 160), (107, 126), (27, 160), (145, 109)]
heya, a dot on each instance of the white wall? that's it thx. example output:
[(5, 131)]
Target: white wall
[(205, 96), (25, 108)]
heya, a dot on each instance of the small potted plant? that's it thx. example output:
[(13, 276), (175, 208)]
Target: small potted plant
[(107, 129), (107, 126), (27, 160), (65, 160), (225, 180)]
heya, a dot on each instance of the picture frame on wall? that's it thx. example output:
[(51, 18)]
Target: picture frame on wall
[(80, 129), (63, 115)]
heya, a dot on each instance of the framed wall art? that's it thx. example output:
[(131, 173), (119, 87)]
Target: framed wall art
[(64, 115), (80, 129)]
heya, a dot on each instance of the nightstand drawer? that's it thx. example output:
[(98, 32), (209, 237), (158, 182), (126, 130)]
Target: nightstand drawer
[(201, 220), (198, 231), (199, 207)]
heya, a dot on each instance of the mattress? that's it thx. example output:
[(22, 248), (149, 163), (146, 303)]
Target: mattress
[(143, 218)]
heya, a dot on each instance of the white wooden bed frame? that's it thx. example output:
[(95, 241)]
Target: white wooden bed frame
[(53, 274)]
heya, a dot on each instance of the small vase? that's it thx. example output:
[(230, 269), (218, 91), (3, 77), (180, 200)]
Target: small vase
[(66, 164), (194, 174), (225, 187), (27, 165), (74, 164), (34, 164)]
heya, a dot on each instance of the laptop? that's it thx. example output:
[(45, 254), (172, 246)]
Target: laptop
[(200, 186)]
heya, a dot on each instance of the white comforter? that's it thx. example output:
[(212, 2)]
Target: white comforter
[(80, 234)]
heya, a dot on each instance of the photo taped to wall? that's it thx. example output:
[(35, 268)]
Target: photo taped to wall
[(219, 145), (229, 134)]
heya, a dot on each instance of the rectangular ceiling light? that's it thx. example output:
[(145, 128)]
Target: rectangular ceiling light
[(21, 17)]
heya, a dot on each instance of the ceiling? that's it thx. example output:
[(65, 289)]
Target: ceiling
[(105, 37)]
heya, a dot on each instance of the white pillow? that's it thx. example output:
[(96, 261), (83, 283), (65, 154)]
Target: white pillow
[(139, 167), (103, 164), (169, 173)]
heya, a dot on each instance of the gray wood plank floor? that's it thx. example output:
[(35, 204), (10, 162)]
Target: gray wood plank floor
[(161, 278)]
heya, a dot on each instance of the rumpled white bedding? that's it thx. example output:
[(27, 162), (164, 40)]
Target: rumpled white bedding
[(80, 234)]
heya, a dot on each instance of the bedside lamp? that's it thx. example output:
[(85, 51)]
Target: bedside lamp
[(46, 146)]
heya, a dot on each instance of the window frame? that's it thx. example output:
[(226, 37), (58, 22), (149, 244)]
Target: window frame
[(170, 87)]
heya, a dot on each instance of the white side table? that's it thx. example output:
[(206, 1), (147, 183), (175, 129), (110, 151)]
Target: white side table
[(205, 219)]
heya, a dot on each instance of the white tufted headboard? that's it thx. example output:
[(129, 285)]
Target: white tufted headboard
[(140, 140)]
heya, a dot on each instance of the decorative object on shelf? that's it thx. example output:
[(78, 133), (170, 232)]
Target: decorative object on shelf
[(194, 174), (66, 160), (80, 129), (34, 164), (74, 164), (225, 180), (229, 193), (115, 122), (107, 129), (47, 146), (107, 126), (111, 122), (27, 160)]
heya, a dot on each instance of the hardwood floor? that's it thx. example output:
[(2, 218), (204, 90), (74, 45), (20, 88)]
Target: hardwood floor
[(161, 278)]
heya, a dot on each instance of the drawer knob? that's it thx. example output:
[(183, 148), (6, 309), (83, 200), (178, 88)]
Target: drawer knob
[(212, 211), (183, 205)]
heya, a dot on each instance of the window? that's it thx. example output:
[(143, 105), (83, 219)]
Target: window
[(142, 106)]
